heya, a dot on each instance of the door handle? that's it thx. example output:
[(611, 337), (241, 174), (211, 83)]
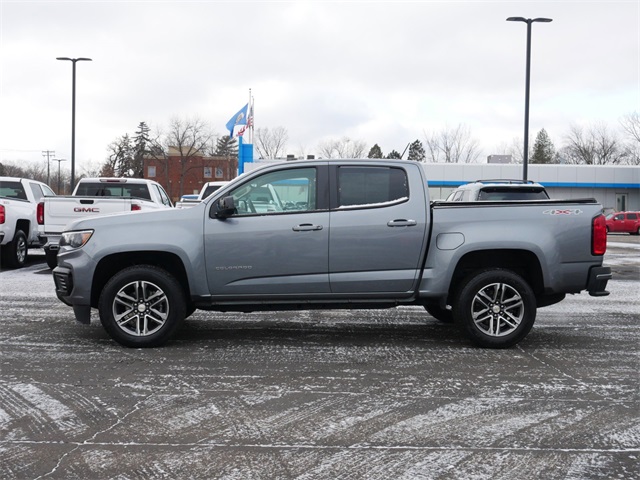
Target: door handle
[(306, 227), (402, 222)]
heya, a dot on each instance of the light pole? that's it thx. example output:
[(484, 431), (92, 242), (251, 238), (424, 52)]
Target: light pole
[(73, 115), (59, 160), (528, 21)]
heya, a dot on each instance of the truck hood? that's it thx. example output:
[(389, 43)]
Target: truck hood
[(138, 220)]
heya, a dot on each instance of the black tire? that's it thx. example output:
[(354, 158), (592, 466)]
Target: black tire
[(14, 254), (51, 256), (439, 313), (496, 308), (142, 306)]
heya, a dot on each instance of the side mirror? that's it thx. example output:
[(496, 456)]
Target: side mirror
[(225, 207)]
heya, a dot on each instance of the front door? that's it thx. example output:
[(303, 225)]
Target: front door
[(276, 243)]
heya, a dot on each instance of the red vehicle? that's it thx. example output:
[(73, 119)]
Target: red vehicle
[(624, 222)]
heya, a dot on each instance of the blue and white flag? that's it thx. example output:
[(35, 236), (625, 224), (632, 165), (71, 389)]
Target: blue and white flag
[(239, 118)]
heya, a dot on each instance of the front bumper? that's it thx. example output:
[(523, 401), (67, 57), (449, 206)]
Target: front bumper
[(63, 278), (73, 278), (598, 278)]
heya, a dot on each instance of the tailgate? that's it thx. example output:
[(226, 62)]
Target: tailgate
[(59, 211)]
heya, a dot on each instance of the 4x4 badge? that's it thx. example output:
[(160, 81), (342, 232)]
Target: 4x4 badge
[(563, 211)]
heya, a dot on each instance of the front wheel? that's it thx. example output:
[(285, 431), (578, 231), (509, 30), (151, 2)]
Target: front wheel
[(142, 306), (497, 308)]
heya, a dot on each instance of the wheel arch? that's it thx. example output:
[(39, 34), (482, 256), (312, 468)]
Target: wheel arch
[(523, 262), (112, 264), (24, 225)]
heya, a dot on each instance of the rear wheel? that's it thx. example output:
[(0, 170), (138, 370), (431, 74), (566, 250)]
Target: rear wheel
[(14, 253), (497, 308), (142, 306)]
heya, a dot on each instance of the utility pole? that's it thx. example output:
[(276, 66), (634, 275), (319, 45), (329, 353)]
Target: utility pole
[(48, 153)]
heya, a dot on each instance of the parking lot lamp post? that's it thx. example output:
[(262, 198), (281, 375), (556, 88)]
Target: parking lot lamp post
[(73, 115), (528, 21), (59, 160)]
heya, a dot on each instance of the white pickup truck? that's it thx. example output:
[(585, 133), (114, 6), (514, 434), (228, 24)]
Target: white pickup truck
[(96, 197), (207, 189), (19, 199)]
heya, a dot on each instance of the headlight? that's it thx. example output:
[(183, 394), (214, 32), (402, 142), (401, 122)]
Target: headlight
[(75, 239)]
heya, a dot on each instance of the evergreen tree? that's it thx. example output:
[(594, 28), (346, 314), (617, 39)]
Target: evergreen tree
[(141, 148), (375, 152), (121, 157), (543, 149), (394, 154), (416, 152), (226, 147)]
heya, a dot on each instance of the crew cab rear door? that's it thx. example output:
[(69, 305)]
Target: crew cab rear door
[(277, 242), (379, 216)]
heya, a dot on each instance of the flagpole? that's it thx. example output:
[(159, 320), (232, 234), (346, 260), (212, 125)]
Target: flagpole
[(251, 110), (240, 157)]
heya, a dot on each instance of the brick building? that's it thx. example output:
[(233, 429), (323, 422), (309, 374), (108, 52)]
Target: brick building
[(185, 174)]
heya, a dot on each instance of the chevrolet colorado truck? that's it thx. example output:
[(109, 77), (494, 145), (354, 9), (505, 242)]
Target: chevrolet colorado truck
[(333, 234), (94, 197), (19, 198)]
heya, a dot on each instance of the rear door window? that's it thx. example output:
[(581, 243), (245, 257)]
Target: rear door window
[(371, 186), (37, 191)]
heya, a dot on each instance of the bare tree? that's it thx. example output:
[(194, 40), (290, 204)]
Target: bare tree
[(452, 145), (514, 148), (593, 146), (90, 170), (631, 127), (343, 148), (11, 170), (187, 139), (271, 143)]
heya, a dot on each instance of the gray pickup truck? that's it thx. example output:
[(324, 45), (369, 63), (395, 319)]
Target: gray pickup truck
[(333, 234)]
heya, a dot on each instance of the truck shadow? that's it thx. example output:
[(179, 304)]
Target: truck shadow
[(431, 331)]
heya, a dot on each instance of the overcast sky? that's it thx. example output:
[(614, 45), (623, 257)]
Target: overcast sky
[(378, 71)]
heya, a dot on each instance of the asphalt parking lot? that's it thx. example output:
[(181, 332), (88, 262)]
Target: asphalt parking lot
[(322, 395)]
